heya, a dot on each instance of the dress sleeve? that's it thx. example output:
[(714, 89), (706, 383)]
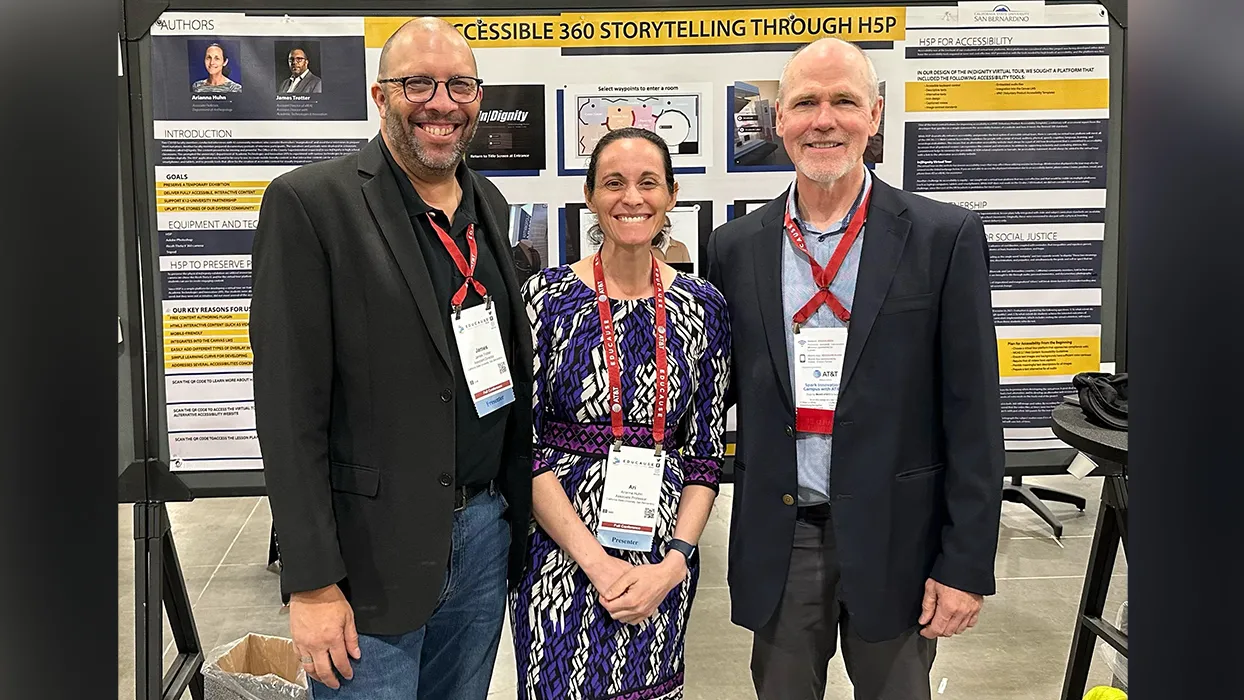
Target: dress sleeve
[(533, 292), (704, 449)]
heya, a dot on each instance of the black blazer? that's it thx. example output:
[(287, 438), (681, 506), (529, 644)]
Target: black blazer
[(917, 457), (351, 367)]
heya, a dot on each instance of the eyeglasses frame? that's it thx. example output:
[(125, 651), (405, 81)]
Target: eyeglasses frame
[(436, 84)]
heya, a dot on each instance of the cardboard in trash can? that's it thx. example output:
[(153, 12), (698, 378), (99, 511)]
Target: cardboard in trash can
[(255, 667)]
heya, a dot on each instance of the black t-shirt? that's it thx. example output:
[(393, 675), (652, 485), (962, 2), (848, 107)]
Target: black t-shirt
[(479, 440)]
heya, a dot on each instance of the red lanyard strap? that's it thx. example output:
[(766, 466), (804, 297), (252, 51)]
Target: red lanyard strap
[(611, 353), (467, 270), (824, 276)]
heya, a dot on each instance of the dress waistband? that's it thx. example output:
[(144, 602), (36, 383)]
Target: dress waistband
[(595, 438)]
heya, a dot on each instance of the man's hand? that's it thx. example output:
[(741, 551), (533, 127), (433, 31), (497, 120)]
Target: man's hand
[(947, 611), (635, 596), (322, 625)]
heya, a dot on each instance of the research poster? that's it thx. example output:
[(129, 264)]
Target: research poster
[(236, 101), (1005, 115)]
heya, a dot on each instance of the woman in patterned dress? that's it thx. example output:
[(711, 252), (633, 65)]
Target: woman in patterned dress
[(590, 621)]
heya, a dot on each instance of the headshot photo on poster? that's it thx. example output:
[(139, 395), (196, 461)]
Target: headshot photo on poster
[(297, 68), (214, 67)]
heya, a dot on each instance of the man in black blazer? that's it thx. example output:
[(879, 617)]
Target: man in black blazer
[(379, 279), (875, 520)]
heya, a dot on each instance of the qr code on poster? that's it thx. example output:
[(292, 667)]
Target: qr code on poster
[(650, 513)]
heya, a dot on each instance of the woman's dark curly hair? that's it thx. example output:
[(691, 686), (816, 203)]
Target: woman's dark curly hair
[(594, 234)]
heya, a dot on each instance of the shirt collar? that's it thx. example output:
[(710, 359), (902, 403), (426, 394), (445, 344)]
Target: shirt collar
[(793, 210), (415, 206)]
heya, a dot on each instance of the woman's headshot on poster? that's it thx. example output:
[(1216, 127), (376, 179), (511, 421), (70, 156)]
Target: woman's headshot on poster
[(218, 65)]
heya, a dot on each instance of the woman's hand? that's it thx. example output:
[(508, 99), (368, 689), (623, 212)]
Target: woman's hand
[(605, 570), (634, 597)]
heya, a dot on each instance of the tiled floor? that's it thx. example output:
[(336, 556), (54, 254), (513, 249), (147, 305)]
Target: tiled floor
[(1017, 652)]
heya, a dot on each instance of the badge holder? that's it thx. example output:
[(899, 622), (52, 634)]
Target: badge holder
[(487, 307)]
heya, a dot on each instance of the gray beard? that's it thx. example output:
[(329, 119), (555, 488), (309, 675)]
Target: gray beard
[(413, 154)]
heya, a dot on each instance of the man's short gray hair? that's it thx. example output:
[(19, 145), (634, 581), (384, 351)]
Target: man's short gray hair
[(874, 84)]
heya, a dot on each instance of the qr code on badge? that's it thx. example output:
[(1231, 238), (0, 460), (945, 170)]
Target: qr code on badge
[(650, 513), (501, 367)]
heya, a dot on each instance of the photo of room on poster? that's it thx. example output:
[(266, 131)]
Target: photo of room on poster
[(690, 225), (755, 145), (510, 135), (529, 238)]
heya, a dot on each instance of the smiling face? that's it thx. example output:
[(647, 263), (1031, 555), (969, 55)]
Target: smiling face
[(826, 114), (430, 137), (631, 196), (214, 61)]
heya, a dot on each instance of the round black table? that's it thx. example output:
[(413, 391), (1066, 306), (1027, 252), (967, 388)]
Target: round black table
[(1071, 426), (1108, 449)]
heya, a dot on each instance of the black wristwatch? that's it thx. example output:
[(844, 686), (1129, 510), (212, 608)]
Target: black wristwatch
[(686, 548)]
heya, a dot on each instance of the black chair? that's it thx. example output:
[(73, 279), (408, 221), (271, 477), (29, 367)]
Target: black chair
[(1020, 464)]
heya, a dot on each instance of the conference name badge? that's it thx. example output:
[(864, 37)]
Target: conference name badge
[(628, 511), (819, 354), (483, 358)]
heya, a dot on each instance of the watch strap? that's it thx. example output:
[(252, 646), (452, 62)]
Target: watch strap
[(686, 548)]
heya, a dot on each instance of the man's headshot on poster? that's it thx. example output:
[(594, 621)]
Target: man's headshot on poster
[(300, 79), (218, 64)]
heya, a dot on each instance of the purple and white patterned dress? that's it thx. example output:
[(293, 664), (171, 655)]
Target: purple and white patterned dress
[(566, 644)]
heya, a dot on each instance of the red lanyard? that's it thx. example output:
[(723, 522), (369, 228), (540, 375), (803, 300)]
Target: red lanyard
[(611, 353), (824, 276), (467, 270)]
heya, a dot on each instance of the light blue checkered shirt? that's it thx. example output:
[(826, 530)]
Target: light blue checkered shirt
[(812, 450)]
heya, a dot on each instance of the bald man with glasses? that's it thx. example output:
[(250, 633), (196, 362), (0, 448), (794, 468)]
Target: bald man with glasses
[(393, 391)]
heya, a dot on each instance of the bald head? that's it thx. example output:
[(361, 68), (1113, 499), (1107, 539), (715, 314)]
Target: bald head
[(422, 35), (831, 51)]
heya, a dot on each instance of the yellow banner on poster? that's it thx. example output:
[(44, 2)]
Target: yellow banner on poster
[(796, 25), (1048, 357), (1004, 95)]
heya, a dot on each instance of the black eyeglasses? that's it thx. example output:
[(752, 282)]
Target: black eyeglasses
[(420, 88)]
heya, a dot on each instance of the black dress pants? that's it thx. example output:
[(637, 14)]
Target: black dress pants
[(790, 655)]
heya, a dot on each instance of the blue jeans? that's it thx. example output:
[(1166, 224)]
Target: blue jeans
[(452, 656)]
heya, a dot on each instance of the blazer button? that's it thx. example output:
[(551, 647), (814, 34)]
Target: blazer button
[(446, 395), (790, 432), (446, 480), (788, 499)]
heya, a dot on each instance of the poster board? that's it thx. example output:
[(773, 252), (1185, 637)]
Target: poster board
[(1010, 116)]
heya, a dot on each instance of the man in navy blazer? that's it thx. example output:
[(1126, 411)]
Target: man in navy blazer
[(878, 525)]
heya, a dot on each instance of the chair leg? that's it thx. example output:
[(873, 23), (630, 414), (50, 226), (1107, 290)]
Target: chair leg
[(1019, 493), (1048, 494)]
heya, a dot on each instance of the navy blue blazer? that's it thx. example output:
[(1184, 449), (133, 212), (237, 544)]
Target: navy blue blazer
[(917, 457)]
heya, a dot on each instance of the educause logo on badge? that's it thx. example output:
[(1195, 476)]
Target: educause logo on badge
[(1002, 14)]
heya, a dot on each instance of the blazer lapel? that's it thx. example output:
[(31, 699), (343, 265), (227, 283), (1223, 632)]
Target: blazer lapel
[(767, 256), (385, 202), (885, 234)]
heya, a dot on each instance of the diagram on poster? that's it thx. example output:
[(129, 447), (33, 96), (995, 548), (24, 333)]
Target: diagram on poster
[(675, 112)]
